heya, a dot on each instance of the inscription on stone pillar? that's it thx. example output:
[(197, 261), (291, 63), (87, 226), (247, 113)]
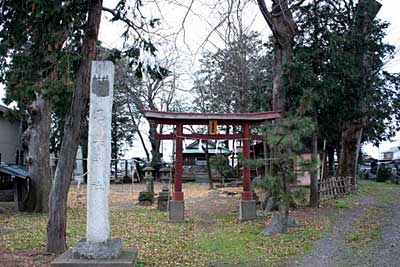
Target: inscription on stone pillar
[(99, 151)]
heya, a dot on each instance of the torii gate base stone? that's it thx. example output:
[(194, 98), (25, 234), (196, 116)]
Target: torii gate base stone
[(98, 249)]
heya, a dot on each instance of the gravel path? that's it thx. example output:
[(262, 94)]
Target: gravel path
[(331, 251), (387, 251), (328, 251)]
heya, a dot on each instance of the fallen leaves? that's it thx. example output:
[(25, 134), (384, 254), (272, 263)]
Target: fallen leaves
[(212, 235)]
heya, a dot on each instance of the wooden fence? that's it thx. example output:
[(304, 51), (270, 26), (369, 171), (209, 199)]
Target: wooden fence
[(333, 187)]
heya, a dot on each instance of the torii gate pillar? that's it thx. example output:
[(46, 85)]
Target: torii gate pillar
[(248, 206), (177, 204)]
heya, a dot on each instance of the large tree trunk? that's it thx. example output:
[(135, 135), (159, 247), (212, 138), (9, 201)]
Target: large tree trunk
[(352, 133), (155, 146), (38, 136), (350, 147), (57, 223), (283, 56), (284, 29)]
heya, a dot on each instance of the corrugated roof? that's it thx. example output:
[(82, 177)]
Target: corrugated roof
[(14, 171), (3, 108), (392, 149)]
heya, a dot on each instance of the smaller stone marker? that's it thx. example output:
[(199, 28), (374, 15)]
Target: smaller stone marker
[(146, 198), (78, 174), (164, 195)]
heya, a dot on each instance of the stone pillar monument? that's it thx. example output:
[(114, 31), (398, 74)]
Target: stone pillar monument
[(98, 249), (99, 152), (99, 158)]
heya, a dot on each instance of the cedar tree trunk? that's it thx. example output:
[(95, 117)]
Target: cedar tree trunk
[(155, 146), (57, 223), (350, 147), (352, 133), (280, 21), (38, 136)]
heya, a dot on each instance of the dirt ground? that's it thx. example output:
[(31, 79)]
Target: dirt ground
[(200, 203)]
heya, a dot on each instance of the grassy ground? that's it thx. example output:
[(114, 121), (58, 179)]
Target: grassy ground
[(212, 239), (211, 236)]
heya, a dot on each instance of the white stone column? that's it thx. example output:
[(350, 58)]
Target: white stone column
[(99, 151)]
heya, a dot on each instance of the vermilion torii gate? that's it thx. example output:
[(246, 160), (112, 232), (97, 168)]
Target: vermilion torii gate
[(179, 119)]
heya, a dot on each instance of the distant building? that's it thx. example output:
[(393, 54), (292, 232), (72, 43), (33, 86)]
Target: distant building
[(11, 152), (303, 176), (392, 153), (194, 159)]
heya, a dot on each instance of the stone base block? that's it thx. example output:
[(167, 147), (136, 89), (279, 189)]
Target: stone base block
[(176, 211), (162, 201), (126, 259), (110, 249), (248, 210), (146, 198)]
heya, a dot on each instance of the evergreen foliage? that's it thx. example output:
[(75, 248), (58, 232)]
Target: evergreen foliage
[(286, 140), (41, 58), (328, 78), (384, 173)]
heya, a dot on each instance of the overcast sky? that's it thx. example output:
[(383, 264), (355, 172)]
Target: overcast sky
[(200, 22), (202, 19)]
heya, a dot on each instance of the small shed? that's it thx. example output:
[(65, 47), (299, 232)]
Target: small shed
[(14, 185)]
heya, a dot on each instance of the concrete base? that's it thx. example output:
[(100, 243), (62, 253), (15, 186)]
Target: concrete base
[(126, 259), (176, 211), (248, 210)]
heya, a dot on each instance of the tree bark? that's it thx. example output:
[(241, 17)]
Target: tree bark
[(314, 172), (38, 136), (352, 132), (57, 223), (155, 146), (284, 29), (350, 147)]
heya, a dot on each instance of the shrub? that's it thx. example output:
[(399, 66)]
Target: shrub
[(384, 173)]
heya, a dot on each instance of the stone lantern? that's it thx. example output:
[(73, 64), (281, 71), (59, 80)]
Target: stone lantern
[(146, 198), (148, 176), (165, 172), (163, 196)]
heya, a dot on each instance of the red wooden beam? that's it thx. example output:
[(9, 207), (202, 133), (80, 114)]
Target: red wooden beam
[(208, 136), (205, 122)]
